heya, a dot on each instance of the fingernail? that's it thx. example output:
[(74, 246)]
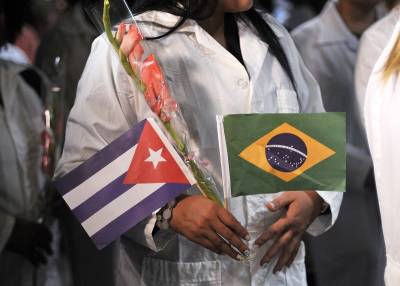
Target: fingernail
[(247, 237), (272, 205)]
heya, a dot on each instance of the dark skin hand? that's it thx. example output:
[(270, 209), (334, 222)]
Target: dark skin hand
[(31, 240), (201, 220), (287, 232)]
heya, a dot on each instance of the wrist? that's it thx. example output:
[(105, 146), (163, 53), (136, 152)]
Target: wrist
[(318, 203), (166, 213), (164, 216)]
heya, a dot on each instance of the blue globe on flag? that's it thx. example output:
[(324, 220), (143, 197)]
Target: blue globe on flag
[(286, 152)]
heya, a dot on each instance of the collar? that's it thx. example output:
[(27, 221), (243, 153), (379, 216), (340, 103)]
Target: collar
[(154, 23), (333, 28), (10, 52), (152, 20)]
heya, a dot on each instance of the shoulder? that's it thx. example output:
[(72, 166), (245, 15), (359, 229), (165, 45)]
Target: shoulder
[(278, 28), (308, 32), (379, 34), (101, 63), (285, 38), (280, 31), (375, 39)]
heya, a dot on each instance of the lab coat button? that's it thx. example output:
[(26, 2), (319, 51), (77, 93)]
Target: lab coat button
[(242, 83)]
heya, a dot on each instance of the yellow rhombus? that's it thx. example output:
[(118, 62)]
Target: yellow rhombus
[(255, 153)]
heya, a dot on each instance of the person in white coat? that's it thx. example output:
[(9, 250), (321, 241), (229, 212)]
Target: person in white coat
[(210, 72), (352, 253), (372, 43), (24, 242), (382, 122)]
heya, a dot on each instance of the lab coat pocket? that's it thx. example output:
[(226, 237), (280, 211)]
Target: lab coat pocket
[(287, 101), (157, 272)]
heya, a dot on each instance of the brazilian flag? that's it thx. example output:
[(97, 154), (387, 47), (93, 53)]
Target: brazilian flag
[(269, 153)]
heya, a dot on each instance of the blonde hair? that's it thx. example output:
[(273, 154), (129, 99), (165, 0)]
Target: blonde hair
[(392, 65)]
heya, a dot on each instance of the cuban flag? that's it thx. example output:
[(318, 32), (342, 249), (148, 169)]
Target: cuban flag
[(125, 182)]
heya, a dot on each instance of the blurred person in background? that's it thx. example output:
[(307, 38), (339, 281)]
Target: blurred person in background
[(382, 122), (352, 253), (302, 11), (24, 242), (292, 13), (21, 36), (21, 40), (65, 48), (373, 41), (62, 56)]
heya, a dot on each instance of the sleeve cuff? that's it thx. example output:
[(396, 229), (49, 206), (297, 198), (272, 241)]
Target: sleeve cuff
[(7, 223), (324, 222), (143, 234)]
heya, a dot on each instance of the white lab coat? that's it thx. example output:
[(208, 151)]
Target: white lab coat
[(206, 81), (21, 177), (329, 50), (13, 53), (372, 43), (382, 105)]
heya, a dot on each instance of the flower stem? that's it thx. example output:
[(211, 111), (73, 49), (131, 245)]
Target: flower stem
[(179, 142), (116, 45), (203, 184)]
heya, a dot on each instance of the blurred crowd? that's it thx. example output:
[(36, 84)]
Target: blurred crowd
[(44, 48)]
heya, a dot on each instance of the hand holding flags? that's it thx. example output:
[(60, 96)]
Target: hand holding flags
[(125, 182)]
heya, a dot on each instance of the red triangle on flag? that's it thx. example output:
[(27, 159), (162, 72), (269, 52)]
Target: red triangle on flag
[(152, 162)]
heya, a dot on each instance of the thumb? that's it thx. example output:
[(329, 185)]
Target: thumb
[(280, 202)]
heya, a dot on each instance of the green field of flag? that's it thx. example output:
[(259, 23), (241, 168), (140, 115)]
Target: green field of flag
[(269, 153)]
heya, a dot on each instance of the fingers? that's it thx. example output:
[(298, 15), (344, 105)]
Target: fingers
[(37, 257), (222, 246), (205, 242), (294, 253), (229, 220), (212, 241), (288, 255), (204, 222), (274, 230), (280, 202), (46, 247), (277, 247), (229, 235), (43, 239)]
